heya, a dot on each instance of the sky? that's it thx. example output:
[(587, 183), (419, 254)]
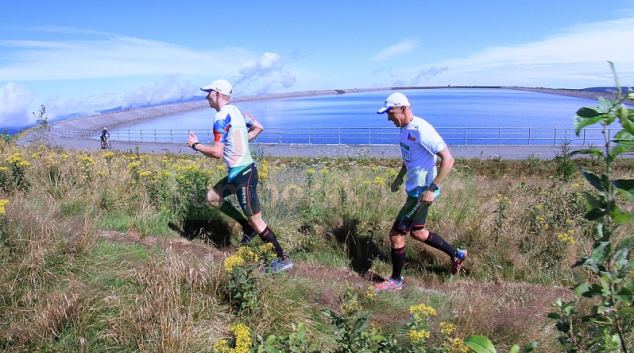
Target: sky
[(86, 56)]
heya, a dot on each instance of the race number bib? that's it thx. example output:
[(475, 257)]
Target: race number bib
[(407, 157)]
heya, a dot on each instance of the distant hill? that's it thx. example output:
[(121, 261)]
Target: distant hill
[(605, 89), (15, 129)]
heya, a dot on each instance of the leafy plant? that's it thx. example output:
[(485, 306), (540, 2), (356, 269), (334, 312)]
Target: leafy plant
[(609, 325), (481, 344), (42, 118), (565, 165), (244, 286)]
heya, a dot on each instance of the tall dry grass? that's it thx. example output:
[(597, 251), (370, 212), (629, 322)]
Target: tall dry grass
[(63, 288)]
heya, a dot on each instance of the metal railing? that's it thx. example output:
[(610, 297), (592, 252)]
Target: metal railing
[(364, 136)]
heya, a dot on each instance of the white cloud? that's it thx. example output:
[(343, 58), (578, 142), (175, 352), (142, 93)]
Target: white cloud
[(15, 100), (164, 91), (65, 29), (115, 56), (267, 74), (426, 74), (160, 92), (404, 47), (573, 58)]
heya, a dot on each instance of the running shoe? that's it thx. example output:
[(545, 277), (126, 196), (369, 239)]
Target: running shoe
[(281, 264), (248, 233), (389, 285), (456, 262)]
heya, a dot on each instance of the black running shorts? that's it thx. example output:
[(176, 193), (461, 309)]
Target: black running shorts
[(412, 216), (244, 185)]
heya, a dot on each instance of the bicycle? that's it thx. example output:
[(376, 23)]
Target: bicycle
[(105, 143)]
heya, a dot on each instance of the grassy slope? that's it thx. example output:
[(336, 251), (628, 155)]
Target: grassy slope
[(98, 255)]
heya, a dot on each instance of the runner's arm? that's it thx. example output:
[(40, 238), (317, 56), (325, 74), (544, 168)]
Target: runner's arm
[(214, 151), (398, 180), (446, 163), (255, 129)]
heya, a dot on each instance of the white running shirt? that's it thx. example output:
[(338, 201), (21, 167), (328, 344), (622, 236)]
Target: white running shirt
[(419, 145), (231, 127)]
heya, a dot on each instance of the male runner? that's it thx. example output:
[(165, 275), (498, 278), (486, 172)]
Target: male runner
[(233, 129), (420, 144)]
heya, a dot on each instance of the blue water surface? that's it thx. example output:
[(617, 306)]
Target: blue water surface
[(443, 108)]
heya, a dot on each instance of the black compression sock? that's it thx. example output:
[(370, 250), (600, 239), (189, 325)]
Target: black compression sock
[(434, 240), (269, 237), (398, 262), (232, 212)]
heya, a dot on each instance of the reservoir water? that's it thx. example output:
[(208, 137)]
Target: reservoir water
[(323, 118)]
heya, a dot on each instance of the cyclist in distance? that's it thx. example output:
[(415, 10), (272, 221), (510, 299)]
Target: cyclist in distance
[(105, 136)]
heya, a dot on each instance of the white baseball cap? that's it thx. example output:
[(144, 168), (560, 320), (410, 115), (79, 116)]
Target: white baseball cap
[(222, 86), (394, 100)]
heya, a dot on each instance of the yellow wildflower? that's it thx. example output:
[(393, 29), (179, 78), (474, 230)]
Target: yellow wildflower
[(247, 254), (145, 173), (3, 204), (456, 345), (324, 171), (107, 156), (350, 307), (566, 238), (232, 261), (447, 328), (370, 293), (366, 182), (310, 171), (221, 347), (379, 181), (416, 336), (266, 248), (101, 173), (134, 165), (243, 338), (422, 309), (391, 173), (539, 207)]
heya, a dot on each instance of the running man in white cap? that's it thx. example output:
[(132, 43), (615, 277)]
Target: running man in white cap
[(420, 144), (233, 129)]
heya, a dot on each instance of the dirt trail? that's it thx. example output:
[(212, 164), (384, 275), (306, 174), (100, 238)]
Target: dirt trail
[(327, 274)]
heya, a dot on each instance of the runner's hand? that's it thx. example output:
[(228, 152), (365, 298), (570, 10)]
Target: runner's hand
[(427, 197), (396, 184), (191, 139)]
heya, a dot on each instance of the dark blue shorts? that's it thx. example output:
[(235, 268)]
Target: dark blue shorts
[(413, 215), (244, 186)]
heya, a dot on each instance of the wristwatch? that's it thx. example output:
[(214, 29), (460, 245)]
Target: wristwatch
[(432, 187), (194, 146)]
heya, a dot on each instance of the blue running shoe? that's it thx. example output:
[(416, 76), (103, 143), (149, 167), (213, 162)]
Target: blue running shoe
[(389, 285), (456, 262), (281, 264)]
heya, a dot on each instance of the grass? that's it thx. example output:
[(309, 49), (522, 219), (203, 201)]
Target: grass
[(103, 251)]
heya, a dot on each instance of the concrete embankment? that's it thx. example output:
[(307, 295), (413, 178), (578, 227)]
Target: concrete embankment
[(308, 150), (98, 122)]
